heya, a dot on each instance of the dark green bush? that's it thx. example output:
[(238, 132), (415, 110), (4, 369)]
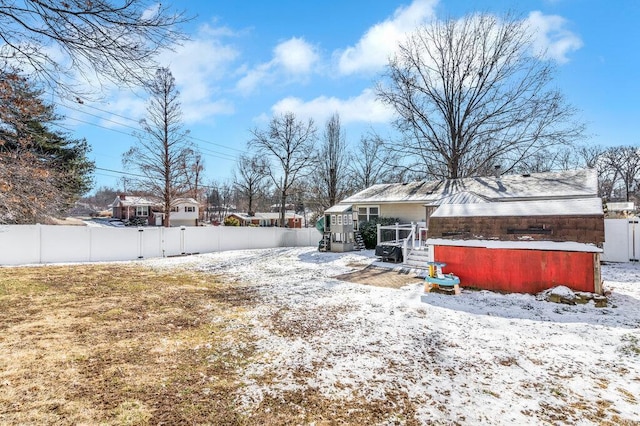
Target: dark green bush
[(369, 230)]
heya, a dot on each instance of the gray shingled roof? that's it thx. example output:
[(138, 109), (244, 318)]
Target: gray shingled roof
[(536, 186)]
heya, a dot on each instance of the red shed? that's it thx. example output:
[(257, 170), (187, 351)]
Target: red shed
[(521, 246)]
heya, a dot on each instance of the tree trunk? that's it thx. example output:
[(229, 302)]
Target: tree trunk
[(283, 208)]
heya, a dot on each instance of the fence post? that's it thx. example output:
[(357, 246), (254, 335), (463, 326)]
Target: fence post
[(140, 243), (39, 242), (379, 233)]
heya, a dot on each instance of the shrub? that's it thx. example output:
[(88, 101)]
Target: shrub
[(231, 221), (369, 230)]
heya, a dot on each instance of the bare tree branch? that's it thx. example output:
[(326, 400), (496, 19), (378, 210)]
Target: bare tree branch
[(249, 177), (469, 94), (164, 152), (291, 145), (116, 41)]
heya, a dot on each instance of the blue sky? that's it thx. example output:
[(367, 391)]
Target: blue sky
[(249, 60)]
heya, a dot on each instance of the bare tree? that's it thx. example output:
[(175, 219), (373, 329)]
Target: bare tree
[(470, 94), (372, 164), (250, 178), (163, 148), (113, 40), (194, 166), (622, 165), (589, 155), (291, 144), (330, 181), (546, 160), (220, 197)]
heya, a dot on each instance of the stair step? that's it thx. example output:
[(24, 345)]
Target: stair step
[(418, 265), (418, 258)]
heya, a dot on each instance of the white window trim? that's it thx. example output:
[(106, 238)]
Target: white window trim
[(368, 207)]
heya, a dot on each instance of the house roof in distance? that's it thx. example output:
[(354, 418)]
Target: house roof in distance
[(581, 183), (134, 201), (266, 216)]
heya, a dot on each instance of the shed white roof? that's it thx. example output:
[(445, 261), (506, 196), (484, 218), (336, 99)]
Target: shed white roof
[(569, 207), (520, 245)]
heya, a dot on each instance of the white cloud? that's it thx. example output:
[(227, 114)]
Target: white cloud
[(295, 58), (198, 65), (364, 108), (254, 77), (372, 51), (551, 38)]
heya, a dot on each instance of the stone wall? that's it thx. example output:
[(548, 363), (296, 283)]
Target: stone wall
[(581, 229)]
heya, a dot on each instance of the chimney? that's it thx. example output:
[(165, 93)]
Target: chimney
[(122, 196), (496, 170)]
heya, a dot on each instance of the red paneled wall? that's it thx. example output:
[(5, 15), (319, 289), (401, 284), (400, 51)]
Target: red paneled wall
[(520, 271)]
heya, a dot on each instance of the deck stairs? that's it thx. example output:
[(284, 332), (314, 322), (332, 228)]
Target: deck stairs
[(417, 258)]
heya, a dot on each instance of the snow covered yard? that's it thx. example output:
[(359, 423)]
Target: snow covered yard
[(478, 358)]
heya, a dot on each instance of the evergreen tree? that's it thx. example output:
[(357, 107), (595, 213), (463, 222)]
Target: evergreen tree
[(42, 171)]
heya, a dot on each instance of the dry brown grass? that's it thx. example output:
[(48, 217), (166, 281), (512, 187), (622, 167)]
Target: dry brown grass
[(118, 344)]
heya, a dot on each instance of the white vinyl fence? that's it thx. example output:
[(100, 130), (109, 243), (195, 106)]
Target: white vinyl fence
[(27, 244), (622, 240)]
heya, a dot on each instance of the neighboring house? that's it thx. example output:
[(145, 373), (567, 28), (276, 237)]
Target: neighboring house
[(268, 219), (142, 209), (185, 212), (522, 233), (149, 211), (620, 209)]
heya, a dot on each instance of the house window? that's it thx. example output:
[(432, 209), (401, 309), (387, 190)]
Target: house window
[(142, 210), (367, 213), (175, 209), (189, 209)]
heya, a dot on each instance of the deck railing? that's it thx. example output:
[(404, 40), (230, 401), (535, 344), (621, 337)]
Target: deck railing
[(408, 235)]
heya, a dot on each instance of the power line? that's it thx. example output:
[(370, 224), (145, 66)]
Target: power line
[(136, 128), (210, 153), (120, 172)]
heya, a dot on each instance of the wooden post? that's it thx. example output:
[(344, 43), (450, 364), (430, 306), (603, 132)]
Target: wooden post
[(597, 277)]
